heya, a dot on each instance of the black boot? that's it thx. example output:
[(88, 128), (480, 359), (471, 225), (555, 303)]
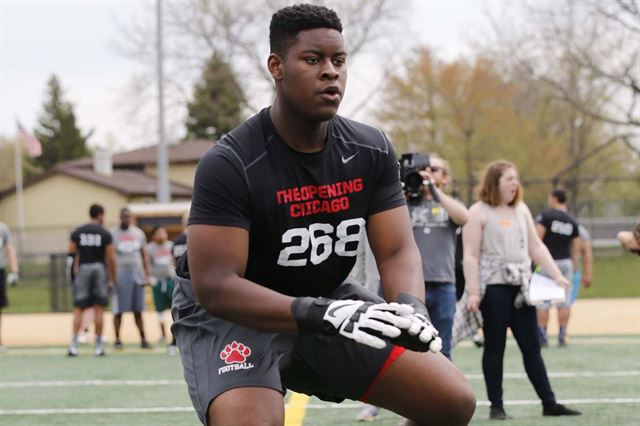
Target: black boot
[(559, 410), (497, 413)]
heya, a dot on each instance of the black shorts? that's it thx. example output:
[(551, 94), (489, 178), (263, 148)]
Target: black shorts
[(4, 301), (218, 355)]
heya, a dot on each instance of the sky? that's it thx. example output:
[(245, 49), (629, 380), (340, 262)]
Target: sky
[(76, 40)]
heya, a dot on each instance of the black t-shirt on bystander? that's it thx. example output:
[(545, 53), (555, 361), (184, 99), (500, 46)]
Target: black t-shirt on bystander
[(91, 242), (561, 228)]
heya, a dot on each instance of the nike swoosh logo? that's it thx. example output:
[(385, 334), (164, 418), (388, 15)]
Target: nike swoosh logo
[(346, 160), (340, 311)]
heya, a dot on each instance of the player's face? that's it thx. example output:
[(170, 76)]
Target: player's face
[(125, 219), (508, 185), (160, 235), (314, 73)]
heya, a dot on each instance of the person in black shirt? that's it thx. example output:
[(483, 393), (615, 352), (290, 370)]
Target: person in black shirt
[(279, 204), (95, 270), (559, 232)]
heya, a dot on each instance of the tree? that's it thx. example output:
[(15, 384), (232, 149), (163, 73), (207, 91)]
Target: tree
[(585, 58), (57, 130), (217, 102), (238, 32), (462, 110)]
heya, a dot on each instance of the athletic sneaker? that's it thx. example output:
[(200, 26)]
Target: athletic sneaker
[(172, 350), (562, 343), (73, 351), (83, 337), (369, 413), (117, 345), (498, 413), (98, 351), (478, 340), (145, 345), (559, 410)]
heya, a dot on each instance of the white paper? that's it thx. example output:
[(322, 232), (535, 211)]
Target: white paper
[(543, 289)]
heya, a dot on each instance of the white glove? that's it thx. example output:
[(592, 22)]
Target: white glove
[(426, 332), (354, 319), (12, 279), (363, 322), (421, 335)]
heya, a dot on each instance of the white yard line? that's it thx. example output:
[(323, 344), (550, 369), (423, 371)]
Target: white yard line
[(586, 401), (58, 383), (564, 374), (71, 383), (25, 412)]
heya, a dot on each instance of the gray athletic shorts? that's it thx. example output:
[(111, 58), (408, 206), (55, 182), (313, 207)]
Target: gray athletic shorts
[(90, 286), (129, 291), (218, 355), (566, 267)]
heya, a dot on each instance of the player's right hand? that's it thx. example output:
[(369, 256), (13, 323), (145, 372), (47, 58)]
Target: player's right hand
[(363, 322)]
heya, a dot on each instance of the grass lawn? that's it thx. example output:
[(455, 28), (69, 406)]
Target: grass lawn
[(135, 387), (613, 276)]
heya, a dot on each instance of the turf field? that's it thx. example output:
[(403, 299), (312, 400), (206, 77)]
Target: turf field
[(598, 375)]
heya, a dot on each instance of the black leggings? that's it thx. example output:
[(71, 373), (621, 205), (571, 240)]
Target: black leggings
[(498, 313)]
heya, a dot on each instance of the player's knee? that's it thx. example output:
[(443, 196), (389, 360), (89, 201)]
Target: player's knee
[(465, 406)]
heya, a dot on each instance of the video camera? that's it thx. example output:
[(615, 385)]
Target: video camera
[(411, 164)]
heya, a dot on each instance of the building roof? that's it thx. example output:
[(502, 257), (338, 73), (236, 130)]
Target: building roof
[(185, 152), (124, 181), (127, 176), (127, 182)]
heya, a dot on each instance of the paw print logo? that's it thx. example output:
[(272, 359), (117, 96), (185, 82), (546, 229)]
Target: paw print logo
[(235, 353)]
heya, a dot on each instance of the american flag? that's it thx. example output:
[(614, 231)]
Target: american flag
[(31, 144)]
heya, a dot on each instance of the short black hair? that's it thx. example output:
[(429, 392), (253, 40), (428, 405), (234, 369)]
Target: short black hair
[(95, 210), (559, 195), (289, 21)]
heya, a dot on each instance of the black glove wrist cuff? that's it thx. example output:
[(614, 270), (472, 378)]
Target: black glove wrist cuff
[(309, 313), (417, 304)]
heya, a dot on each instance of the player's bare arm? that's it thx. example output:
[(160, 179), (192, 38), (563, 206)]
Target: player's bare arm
[(472, 238), (73, 251), (396, 253), (540, 253), (217, 260), (111, 263)]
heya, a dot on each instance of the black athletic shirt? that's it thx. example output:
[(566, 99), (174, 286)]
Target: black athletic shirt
[(561, 228), (91, 242), (304, 212)]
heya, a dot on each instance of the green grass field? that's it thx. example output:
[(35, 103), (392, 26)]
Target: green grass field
[(613, 276), (598, 375)]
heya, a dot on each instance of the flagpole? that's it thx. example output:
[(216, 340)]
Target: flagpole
[(17, 153)]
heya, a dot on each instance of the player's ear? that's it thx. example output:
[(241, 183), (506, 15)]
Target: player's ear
[(275, 66)]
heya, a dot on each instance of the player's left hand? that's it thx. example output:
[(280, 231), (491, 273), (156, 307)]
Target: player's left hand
[(12, 279), (421, 335)]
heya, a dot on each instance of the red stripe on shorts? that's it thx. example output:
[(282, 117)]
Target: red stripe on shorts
[(395, 354)]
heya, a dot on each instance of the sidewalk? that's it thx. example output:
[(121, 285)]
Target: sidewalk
[(588, 317)]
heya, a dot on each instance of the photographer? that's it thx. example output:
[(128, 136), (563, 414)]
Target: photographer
[(435, 218)]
